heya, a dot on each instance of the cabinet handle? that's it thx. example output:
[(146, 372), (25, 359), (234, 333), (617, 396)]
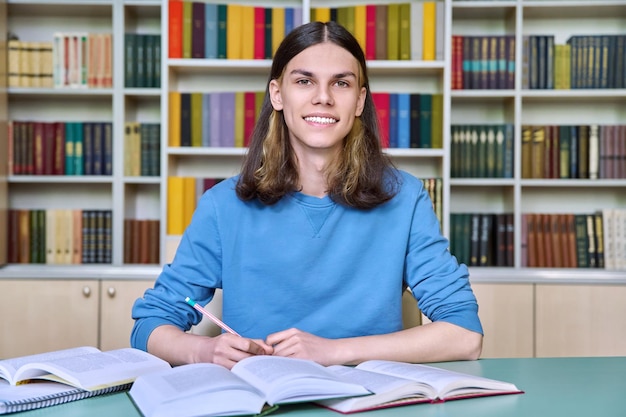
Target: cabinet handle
[(111, 292), (86, 291)]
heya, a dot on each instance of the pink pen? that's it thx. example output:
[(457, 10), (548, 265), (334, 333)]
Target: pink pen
[(210, 316)]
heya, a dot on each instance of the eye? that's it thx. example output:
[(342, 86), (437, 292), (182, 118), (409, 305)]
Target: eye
[(303, 81), (343, 84)]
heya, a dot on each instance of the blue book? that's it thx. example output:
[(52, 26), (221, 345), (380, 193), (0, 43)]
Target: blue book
[(393, 120), (404, 120), (78, 148), (69, 148), (210, 31), (573, 152), (289, 20)]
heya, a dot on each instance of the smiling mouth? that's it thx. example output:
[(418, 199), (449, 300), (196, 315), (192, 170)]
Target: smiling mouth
[(321, 120)]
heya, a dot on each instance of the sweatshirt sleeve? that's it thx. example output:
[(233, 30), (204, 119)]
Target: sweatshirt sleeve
[(433, 274), (195, 272)]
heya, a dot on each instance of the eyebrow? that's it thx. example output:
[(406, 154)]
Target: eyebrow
[(310, 74)]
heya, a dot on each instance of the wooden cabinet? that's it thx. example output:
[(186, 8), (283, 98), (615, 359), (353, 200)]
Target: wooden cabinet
[(507, 316), (48, 314), (116, 301), (40, 315), (580, 320)]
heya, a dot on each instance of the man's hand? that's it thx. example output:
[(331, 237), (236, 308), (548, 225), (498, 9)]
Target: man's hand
[(298, 344)]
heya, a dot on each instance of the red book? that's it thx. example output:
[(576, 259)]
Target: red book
[(370, 32), (249, 116), (49, 148), (259, 33), (381, 102), (175, 29), (457, 62)]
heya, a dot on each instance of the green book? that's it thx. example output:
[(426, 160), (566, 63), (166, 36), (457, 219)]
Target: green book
[(129, 57), (425, 122), (393, 32), (187, 26), (222, 12), (436, 130)]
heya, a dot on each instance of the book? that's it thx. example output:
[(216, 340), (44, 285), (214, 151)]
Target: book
[(252, 384), (14, 399), (398, 383), (85, 367)]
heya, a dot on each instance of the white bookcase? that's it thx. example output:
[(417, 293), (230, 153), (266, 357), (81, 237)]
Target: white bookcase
[(132, 197)]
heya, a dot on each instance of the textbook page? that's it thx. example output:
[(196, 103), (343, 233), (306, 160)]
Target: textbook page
[(388, 391), (445, 384), (8, 367), (289, 380), (196, 389), (91, 370)]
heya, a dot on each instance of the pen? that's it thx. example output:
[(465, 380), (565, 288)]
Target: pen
[(210, 316)]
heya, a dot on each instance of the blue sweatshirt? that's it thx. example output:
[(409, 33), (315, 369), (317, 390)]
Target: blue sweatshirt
[(312, 264)]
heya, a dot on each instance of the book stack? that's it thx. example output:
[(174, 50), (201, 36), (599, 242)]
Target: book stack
[(584, 61), (59, 236), (228, 31), (30, 64), (483, 62), (482, 239), (568, 240), (141, 241), (183, 194), (82, 60), (395, 31), (410, 120), (574, 151), (60, 148), (220, 119), (142, 60), (142, 149), (482, 151)]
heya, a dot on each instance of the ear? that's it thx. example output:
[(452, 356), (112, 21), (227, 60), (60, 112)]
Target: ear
[(360, 104), (275, 97)]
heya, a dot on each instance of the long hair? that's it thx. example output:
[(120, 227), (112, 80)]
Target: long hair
[(361, 177)]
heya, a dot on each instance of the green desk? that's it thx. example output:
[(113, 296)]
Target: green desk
[(554, 387)]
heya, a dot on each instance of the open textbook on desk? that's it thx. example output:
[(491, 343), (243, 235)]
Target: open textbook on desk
[(261, 381), (46, 379)]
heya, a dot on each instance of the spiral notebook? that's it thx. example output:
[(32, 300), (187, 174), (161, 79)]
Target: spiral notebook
[(42, 394)]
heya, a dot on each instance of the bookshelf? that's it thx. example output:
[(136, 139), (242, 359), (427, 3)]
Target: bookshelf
[(134, 197)]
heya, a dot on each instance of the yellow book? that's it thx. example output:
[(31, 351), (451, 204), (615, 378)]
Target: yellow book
[(174, 119), (360, 24), (234, 37), (404, 33), (430, 28), (320, 14), (196, 119), (278, 27), (437, 121), (175, 206), (239, 119), (247, 33), (136, 146), (259, 96), (189, 200), (393, 32), (187, 26)]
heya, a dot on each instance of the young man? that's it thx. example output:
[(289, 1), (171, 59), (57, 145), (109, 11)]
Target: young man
[(315, 241)]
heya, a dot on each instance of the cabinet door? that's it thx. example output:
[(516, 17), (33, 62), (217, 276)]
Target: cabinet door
[(506, 312), (116, 300), (581, 320), (44, 315)]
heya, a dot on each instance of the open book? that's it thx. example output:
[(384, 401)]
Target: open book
[(86, 367), (398, 383), (252, 384)]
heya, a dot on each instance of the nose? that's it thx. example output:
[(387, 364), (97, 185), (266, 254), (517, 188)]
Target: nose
[(323, 95)]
